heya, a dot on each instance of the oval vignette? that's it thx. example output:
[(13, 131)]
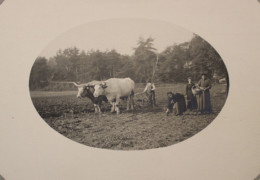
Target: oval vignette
[(184, 78)]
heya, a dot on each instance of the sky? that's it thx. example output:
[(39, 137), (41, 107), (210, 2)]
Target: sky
[(119, 34)]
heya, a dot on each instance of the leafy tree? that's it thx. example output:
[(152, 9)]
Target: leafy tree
[(67, 66), (144, 59), (205, 58), (127, 68), (39, 74), (174, 64)]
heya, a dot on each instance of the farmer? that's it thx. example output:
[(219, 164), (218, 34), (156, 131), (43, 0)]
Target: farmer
[(150, 92), (191, 98), (204, 97), (176, 103)]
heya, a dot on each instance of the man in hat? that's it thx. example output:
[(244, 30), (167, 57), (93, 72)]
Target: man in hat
[(204, 104), (150, 91)]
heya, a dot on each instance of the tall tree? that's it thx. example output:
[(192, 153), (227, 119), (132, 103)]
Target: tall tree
[(144, 59), (39, 74), (172, 64), (205, 58), (67, 67), (175, 63)]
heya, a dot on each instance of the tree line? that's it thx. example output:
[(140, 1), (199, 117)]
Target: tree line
[(172, 65)]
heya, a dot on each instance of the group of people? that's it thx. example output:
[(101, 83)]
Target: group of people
[(178, 103)]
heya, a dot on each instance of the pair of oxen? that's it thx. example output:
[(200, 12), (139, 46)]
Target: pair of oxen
[(111, 90)]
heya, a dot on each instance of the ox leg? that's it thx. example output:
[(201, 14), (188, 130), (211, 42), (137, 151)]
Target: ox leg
[(95, 107), (99, 105), (113, 106), (128, 100), (132, 102), (116, 106), (98, 109)]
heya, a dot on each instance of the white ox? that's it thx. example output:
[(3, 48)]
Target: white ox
[(114, 89)]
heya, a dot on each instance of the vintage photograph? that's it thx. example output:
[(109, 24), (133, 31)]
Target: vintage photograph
[(128, 84)]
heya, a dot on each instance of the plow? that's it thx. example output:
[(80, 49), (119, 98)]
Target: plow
[(141, 97)]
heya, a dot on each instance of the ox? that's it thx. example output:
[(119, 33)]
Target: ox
[(87, 90), (114, 89)]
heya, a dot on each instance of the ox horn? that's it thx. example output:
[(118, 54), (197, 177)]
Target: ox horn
[(104, 85), (76, 84)]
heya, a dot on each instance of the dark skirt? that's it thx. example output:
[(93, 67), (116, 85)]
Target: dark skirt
[(191, 98), (177, 104), (204, 102), (179, 107), (192, 103)]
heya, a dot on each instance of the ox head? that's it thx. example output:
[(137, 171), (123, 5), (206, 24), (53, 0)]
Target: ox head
[(100, 89), (84, 90)]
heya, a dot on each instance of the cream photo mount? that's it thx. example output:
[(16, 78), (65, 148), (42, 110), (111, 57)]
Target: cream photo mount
[(227, 149)]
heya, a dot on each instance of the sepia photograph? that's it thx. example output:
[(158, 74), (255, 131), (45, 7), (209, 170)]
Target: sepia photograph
[(129, 90), (128, 84)]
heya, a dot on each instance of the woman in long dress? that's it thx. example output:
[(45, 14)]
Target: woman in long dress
[(204, 97), (191, 98)]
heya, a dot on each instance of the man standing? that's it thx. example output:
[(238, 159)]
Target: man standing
[(150, 91)]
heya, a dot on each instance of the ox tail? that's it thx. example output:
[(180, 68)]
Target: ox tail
[(132, 93)]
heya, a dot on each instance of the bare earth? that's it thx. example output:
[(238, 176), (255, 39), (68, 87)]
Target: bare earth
[(144, 128)]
